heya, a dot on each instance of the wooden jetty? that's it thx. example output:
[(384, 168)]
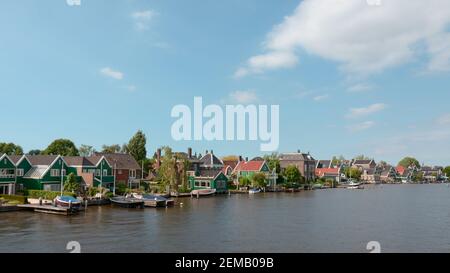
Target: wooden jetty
[(49, 209)]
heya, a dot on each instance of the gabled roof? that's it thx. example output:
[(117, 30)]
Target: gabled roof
[(15, 158), (400, 169), (121, 161), (210, 160), (249, 166), (208, 173), (7, 157), (231, 163), (296, 157), (78, 161), (324, 164), (325, 171), (41, 160)]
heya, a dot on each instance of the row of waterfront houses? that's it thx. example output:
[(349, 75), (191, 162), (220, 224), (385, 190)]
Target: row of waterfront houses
[(47, 172)]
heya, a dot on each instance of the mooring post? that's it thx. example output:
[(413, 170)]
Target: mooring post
[(198, 195)]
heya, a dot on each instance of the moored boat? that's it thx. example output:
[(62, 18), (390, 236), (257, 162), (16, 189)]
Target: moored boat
[(254, 191), (151, 200), (127, 202), (67, 202), (355, 186), (203, 192)]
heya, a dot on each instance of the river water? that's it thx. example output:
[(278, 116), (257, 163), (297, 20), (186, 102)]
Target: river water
[(402, 218)]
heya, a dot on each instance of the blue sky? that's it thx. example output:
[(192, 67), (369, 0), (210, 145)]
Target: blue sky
[(351, 79)]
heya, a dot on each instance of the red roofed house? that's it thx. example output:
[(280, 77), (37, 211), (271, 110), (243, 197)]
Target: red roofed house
[(329, 173), (250, 168)]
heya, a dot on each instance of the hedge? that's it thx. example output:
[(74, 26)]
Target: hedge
[(18, 198), (47, 195)]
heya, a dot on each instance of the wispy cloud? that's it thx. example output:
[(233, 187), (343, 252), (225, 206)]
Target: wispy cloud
[(360, 87), (270, 61), (111, 73), (142, 18), (365, 111), (361, 126), (321, 97), (243, 97)]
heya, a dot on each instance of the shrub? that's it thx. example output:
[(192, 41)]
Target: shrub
[(14, 198), (48, 195)]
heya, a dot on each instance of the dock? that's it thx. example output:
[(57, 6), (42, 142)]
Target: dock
[(49, 209)]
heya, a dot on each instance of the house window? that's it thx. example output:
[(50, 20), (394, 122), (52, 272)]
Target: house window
[(54, 172), (197, 184), (52, 187), (98, 172), (203, 184), (19, 172), (132, 173), (105, 172), (64, 172)]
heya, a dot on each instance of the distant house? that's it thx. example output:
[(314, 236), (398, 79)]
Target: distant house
[(304, 162), (364, 164), (371, 176), (329, 174), (94, 170), (388, 175), (323, 164), (431, 174), (209, 172), (125, 168), (7, 175), (249, 168)]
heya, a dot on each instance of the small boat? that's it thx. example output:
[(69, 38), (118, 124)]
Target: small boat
[(355, 186), (203, 192), (127, 202), (317, 187), (67, 202), (151, 200), (254, 191)]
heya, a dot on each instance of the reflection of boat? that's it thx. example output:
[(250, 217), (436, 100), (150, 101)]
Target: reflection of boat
[(127, 202), (67, 202), (253, 191), (151, 200), (203, 192), (355, 186)]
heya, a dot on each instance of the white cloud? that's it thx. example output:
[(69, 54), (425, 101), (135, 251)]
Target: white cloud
[(361, 126), (321, 97), (362, 38), (243, 97), (365, 111), (109, 72), (444, 120), (360, 87), (270, 61), (143, 18)]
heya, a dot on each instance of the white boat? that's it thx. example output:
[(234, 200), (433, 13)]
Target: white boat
[(354, 186), (254, 191), (203, 192)]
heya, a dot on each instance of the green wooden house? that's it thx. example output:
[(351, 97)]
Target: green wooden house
[(93, 171), (7, 175), (249, 168), (209, 179)]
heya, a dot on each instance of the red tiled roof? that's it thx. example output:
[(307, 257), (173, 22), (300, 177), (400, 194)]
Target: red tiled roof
[(400, 169), (249, 166), (323, 171)]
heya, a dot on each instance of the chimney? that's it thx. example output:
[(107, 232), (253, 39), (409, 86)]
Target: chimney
[(189, 152), (158, 154), (206, 152), (212, 152), (240, 158), (246, 159), (298, 151)]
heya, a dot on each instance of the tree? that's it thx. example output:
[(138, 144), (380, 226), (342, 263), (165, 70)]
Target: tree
[(273, 162), (111, 149), (71, 183), (230, 158), (167, 173), (259, 180), (35, 152), (361, 157), (418, 177), (136, 146), (62, 147), (10, 149), (336, 161), (408, 162), (447, 171), (86, 150), (292, 174), (244, 181), (353, 173)]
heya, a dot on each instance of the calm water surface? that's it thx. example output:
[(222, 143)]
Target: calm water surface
[(403, 218)]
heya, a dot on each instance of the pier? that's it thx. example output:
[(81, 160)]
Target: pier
[(49, 209)]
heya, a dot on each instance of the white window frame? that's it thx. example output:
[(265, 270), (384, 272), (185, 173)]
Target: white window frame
[(55, 172), (132, 174), (105, 172), (20, 172)]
